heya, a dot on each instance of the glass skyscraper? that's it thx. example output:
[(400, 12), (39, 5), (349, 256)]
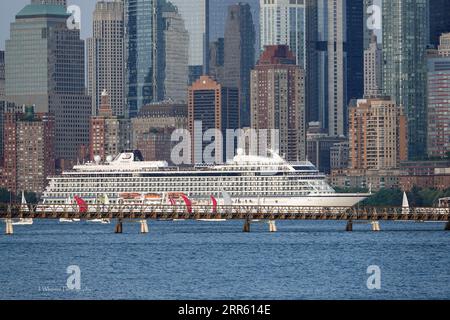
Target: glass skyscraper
[(141, 53), (239, 55), (45, 67), (218, 10), (195, 14), (340, 61), (405, 37), (284, 22), (439, 20)]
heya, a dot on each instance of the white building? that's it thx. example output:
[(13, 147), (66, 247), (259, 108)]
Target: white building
[(283, 22)]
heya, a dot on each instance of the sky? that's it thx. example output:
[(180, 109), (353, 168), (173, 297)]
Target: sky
[(9, 9)]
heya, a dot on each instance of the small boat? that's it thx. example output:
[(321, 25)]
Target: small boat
[(68, 202), (102, 221), (23, 222), (212, 220), (23, 208), (179, 220)]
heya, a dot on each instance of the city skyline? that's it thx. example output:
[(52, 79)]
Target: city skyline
[(145, 52)]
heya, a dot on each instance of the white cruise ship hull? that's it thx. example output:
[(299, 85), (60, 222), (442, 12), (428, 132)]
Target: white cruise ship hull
[(332, 200)]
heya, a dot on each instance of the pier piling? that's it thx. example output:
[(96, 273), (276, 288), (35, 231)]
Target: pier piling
[(376, 226), (119, 227), (272, 226), (9, 227), (247, 225), (144, 226), (349, 227)]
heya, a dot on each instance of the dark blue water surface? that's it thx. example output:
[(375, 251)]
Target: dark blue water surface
[(205, 260)]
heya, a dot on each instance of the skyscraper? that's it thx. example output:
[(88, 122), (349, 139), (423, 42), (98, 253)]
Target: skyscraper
[(438, 89), (340, 46), (354, 48), (175, 51), (195, 14), (217, 107), (278, 100), (153, 127), (438, 19), (2, 75), (294, 23), (106, 65), (284, 22), (109, 134), (141, 53), (218, 17), (405, 35), (377, 134), (373, 68), (217, 59), (29, 150), (239, 58), (45, 68)]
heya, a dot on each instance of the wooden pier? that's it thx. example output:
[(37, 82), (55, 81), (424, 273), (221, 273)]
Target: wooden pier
[(246, 213)]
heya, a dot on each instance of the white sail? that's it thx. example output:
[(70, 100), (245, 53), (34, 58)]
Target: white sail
[(405, 204), (24, 206)]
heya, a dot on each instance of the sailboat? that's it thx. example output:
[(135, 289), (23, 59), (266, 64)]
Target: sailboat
[(227, 201), (105, 201), (405, 204), (68, 202), (24, 208)]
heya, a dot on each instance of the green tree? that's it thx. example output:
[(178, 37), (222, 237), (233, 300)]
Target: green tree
[(384, 198)]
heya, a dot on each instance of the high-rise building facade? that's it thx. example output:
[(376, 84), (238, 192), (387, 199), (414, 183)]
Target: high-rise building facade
[(278, 100), (339, 156), (152, 129), (29, 150), (218, 12), (106, 63), (377, 134), (140, 53), (405, 37), (156, 41), (2, 75), (283, 22), (109, 134), (340, 61), (438, 95), (195, 14), (373, 68), (175, 51), (294, 23), (438, 20), (216, 107), (45, 67), (217, 59), (239, 55)]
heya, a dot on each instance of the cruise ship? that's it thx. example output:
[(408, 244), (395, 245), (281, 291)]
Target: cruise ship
[(246, 180)]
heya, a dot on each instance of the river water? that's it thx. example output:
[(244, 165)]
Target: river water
[(206, 260)]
